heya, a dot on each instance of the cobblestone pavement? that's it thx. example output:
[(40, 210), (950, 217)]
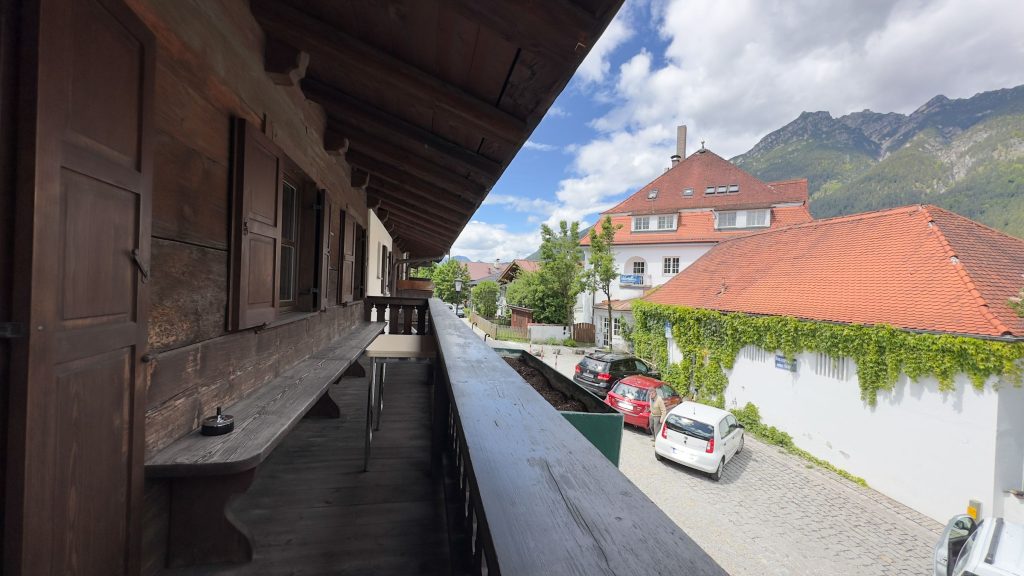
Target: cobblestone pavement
[(773, 513)]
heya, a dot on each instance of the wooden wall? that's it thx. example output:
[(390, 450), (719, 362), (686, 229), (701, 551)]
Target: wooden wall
[(8, 82), (210, 69)]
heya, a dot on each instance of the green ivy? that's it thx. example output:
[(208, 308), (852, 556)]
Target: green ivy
[(711, 340)]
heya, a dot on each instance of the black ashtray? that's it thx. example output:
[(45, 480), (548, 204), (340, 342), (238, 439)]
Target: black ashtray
[(218, 425)]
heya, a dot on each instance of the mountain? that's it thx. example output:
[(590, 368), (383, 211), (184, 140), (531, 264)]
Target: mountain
[(966, 155)]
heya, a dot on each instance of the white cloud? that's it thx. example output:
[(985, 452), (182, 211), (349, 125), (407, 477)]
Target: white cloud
[(519, 203), (558, 112), (531, 145), (481, 241), (596, 65)]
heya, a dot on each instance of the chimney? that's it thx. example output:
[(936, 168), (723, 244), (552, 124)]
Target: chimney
[(680, 143)]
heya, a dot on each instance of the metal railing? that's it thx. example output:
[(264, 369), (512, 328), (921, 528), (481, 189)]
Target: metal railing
[(526, 493)]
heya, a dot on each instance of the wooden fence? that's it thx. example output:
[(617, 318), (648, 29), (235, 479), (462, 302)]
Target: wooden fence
[(583, 332), (498, 331)]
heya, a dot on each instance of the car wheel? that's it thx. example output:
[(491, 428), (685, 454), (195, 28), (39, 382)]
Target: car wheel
[(659, 457), (740, 449), (717, 475)]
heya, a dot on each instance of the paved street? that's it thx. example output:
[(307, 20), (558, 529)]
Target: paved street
[(775, 514)]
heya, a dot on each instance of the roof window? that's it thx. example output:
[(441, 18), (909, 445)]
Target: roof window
[(734, 188), (709, 190), (688, 192), (652, 194), (723, 189)]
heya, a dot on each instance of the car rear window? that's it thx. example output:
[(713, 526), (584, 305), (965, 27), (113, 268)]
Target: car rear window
[(693, 428), (591, 364), (630, 392)]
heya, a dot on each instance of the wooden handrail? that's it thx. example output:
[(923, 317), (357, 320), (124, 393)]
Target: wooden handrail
[(538, 497)]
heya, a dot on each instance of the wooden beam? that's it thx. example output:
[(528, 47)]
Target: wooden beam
[(396, 202), (285, 64), (336, 48), (348, 111), (383, 170), (365, 145), (422, 201), (415, 226)]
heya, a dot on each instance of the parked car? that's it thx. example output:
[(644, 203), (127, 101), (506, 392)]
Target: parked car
[(599, 371), (632, 396), (991, 547), (699, 436)]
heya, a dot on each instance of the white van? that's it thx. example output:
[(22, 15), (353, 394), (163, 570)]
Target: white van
[(699, 436)]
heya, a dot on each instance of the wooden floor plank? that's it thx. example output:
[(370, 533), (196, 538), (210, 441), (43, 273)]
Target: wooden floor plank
[(313, 511)]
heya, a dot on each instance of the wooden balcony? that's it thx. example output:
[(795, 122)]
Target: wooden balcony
[(474, 475)]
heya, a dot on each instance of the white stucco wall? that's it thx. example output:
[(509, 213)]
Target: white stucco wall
[(932, 451), (653, 255), (377, 236), (542, 332)]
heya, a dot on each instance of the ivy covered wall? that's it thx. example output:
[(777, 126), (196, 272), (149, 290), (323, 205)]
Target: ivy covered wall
[(711, 340)]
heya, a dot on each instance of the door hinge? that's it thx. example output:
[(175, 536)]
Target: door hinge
[(10, 330)]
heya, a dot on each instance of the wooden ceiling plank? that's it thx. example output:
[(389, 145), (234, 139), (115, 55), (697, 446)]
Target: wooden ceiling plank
[(335, 47), (558, 29), (348, 111)]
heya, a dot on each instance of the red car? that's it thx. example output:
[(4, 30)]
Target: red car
[(632, 397)]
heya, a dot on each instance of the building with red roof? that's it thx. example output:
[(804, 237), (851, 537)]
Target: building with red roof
[(916, 268), (672, 221)]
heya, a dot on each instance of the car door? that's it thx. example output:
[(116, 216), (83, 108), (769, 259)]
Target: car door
[(670, 396), (735, 434)]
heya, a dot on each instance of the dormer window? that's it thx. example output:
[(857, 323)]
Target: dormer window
[(666, 222), (759, 218), (654, 223), (641, 223), (725, 220)]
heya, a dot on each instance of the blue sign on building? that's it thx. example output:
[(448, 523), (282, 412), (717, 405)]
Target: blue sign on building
[(633, 279), (783, 364)]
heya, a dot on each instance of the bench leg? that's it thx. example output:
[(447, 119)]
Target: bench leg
[(325, 407), (355, 370), (202, 529)]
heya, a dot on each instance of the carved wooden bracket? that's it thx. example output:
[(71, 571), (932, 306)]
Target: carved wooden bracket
[(360, 178), (285, 64), (335, 144)]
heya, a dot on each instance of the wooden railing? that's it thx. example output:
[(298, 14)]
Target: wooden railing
[(527, 493), (403, 315)]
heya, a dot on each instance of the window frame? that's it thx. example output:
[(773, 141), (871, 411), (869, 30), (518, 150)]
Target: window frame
[(643, 266), (668, 263), (646, 223), (719, 216)]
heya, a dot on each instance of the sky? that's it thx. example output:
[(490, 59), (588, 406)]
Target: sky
[(732, 72)]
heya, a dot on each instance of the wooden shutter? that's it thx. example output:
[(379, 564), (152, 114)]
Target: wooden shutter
[(256, 228), (348, 254), (360, 263), (325, 235), (78, 382)]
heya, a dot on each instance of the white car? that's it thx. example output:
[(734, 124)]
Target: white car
[(992, 547), (699, 436)]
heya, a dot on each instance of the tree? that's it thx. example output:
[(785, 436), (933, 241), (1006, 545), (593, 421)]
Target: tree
[(444, 277), (561, 268), (485, 298), (602, 270), (528, 290)]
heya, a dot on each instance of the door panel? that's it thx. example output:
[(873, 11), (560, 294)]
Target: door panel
[(78, 383)]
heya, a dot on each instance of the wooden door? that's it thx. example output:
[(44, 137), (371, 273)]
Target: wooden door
[(82, 236)]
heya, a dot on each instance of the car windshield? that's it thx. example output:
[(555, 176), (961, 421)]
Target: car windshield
[(630, 392), (689, 427), (591, 364)]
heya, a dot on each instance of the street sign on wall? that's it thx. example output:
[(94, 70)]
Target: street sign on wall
[(783, 364)]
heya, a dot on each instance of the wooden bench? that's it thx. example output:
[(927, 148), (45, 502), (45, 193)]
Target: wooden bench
[(205, 472)]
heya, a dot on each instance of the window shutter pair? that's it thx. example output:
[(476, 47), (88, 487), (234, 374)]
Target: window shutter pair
[(258, 176), (348, 258)]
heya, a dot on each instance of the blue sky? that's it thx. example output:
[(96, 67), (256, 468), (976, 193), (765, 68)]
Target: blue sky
[(732, 71)]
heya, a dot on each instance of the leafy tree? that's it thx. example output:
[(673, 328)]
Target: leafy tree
[(561, 268), (444, 277), (423, 271), (485, 298), (602, 270)]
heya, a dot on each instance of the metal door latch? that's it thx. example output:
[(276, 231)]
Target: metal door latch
[(138, 263)]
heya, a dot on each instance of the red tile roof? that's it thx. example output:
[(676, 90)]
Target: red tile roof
[(915, 267), (479, 270), (511, 270), (701, 170), (699, 227)]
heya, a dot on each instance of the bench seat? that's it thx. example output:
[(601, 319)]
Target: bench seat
[(206, 471)]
